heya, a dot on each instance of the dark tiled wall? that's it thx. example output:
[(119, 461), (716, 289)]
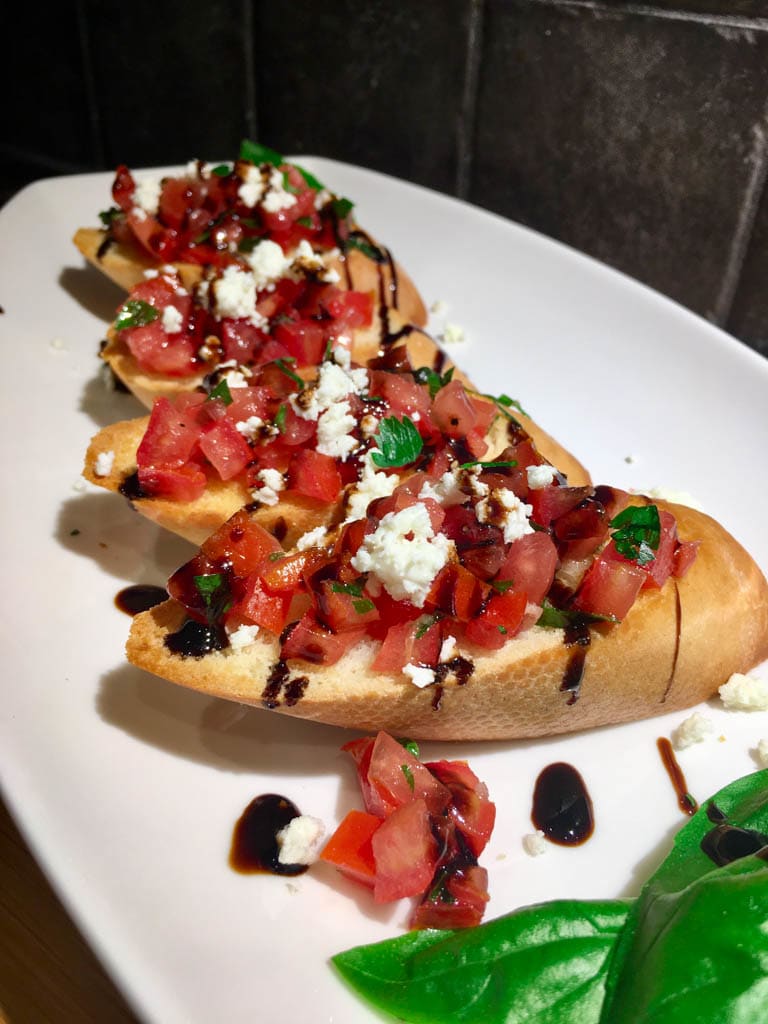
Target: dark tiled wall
[(634, 132)]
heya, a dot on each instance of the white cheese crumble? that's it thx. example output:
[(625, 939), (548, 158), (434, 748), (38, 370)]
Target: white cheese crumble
[(250, 428), (535, 844), (762, 753), (272, 483), (447, 648), (242, 637), (453, 333), (172, 320), (58, 344), (372, 485), (445, 491), (404, 554), (252, 188), (312, 539), (268, 263), (333, 384), (540, 476), (278, 197), (419, 675), (234, 294), (439, 307), (300, 841), (694, 729), (104, 463), (745, 693), (147, 195), (513, 516), (334, 428), (235, 379)]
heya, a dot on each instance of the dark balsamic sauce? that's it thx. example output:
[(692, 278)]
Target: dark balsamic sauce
[(577, 638), (140, 598), (562, 807), (726, 843), (280, 528), (254, 846), (280, 686), (104, 248), (131, 489), (685, 801), (196, 639)]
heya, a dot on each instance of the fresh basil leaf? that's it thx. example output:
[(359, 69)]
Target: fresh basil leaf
[(373, 252), (287, 186), (249, 244), (282, 364), (280, 415), (221, 391), (541, 965), (310, 179), (355, 589), (410, 745), (426, 375), (405, 769), (398, 443), (221, 170), (363, 605), (637, 532), (503, 403), (207, 586), (342, 207), (135, 313), (255, 153), (276, 556), (108, 216), (562, 618), (502, 585), (501, 464), (425, 622), (305, 222)]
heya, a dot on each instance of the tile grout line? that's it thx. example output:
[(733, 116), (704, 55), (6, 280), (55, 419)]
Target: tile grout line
[(723, 21), (94, 115), (249, 60), (468, 111), (742, 234)]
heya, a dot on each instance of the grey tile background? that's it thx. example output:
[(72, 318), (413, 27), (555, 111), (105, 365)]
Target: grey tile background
[(635, 132)]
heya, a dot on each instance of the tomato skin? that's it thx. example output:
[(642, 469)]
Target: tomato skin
[(262, 607), (303, 339), (385, 782), (350, 848), (470, 809), (241, 543), (241, 341), (402, 646), (309, 640), (171, 435), (466, 897), (177, 483), (499, 621), (314, 475), (530, 564), (685, 556), (405, 853), (610, 587), (453, 411), (226, 448)]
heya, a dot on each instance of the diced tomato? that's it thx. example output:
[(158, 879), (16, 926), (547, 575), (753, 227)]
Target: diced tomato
[(457, 592), (242, 543), (453, 411), (226, 448), (350, 309), (294, 430), (123, 188), (391, 776), (241, 341), (458, 902), (499, 620), (177, 483), (156, 353), (287, 573), (340, 609), (402, 394), (171, 435), (304, 340), (350, 849), (610, 587), (251, 401), (405, 853), (470, 809), (530, 564), (685, 556), (552, 502), (315, 475), (663, 563), (262, 607), (177, 198), (311, 641), (410, 642)]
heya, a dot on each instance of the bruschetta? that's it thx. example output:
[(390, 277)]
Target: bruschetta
[(491, 602), (291, 444), (217, 216)]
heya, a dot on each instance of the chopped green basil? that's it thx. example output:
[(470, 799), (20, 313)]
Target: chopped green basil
[(355, 589), (425, 622), (411, 746), (500, 464), (502, 585), (342, 207), (107, 216), (282, 364), (310, 179), (288, 186), (408, 776), (221, 170), (305, 222), (221, 391), (258, 154), (276, 556), (503, 403), (637, 532), (373, 252), (249, 244), (280, 418), (135, 313), (502, 629), (398, 443), (363, 605), (428, 376), (558, 618), (207, 586)]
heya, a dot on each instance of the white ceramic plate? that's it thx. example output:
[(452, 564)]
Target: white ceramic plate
[(128, 787)]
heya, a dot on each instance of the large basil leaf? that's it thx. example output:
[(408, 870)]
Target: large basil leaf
[(538, 965)]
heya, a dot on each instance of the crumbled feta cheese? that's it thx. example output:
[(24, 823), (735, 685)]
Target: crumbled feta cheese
[(147, 195), (242, 637), (104, 463), (322, 197), (745, 693), (268, 263), (447, 648), (235, 378), (506, 510), (445, 491), (540, 476), (138, 214), (404, 554), (151, 273), (172, 320), (334, 428), (439, 307), (312, 539), (372, 485), (252, 188), (534, 843), (453, 333), (272, 483), (419, 675), (762, 753), (79, 486), (278, 197), (235, 294), (331, 276), (694, 729), (58, 344), (300, 840), (369, 424), (250, 428), (333, 385)]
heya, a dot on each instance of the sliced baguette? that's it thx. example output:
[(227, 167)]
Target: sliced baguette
[(673, 650)]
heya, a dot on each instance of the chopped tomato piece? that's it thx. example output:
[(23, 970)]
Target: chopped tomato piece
[(315, 475), (405, 853), (226, 448), (287, 573), (177, 483), (241, 543), (458, 901), (262, 607), (304, 340), (391, 776), (171, 435), (309, 640), (500, 619), (685, 556), (342, 606), (471, 810), (610, 587), (530, 565), (350, 848), (453, 411)]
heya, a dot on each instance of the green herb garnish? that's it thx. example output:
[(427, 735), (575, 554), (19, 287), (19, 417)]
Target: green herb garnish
[(255, 153), (135, 313), (108, 216), (410, 745), (500, 464), (310, 179), (305, 222), (637, 532), (207, 586), (502, 586), (428, 376), (276, 556), (249, 244), (408, 776), (503, 403), (342, 208), (222, 392), (221, 170), (559, 618), (288, 186), (366, 248), (425, 622), (280, 415), (355, 589), (398, 442), (363, 605), (282, 364)]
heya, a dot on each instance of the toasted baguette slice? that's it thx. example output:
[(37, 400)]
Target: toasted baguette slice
[(673, 650), (126, 265)]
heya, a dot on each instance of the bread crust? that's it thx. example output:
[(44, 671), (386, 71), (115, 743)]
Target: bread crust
[(126, 264), (673, 650)]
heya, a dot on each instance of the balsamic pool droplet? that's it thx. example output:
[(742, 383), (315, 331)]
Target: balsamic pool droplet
[(562, 806), (254, 841), (140, 598)]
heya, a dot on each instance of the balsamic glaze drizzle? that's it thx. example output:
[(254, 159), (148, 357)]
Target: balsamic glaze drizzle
[(254, 846), (562, 806)]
